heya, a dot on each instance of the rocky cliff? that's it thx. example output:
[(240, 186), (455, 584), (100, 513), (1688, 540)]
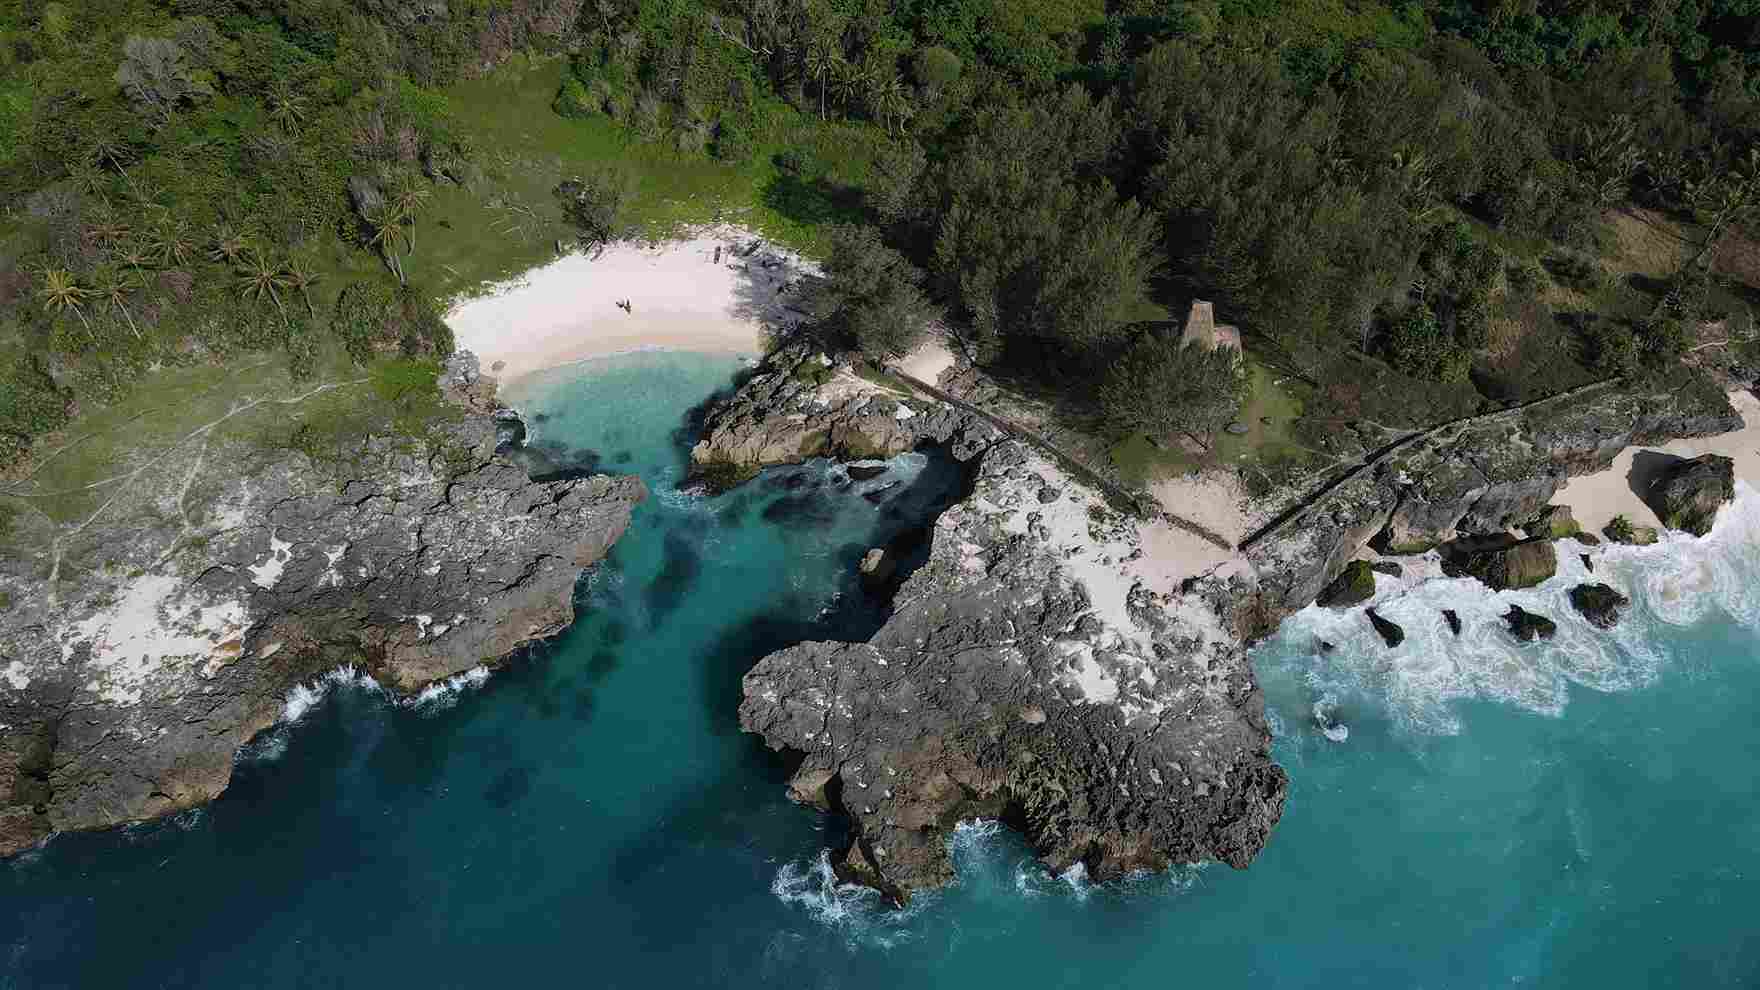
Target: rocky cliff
[(802, 404), (1021, 677), (1029, 674), (1482, 476), (139, 650)]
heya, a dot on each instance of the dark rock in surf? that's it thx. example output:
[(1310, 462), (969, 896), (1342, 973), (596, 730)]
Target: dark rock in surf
[(1527, 626), (1453, 619), (1599, 603), (864, 472), (1390, 632)]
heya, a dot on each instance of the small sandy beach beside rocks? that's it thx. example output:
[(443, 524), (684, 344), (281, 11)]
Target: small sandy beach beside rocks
[(714, 291), (1595, 499)]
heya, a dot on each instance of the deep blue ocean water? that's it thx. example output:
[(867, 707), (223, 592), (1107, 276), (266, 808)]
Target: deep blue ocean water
[(1584, 813)]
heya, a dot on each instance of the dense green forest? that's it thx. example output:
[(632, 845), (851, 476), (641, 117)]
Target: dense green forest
[(1480, 202)]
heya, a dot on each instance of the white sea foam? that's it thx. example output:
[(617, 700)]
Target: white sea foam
[(442, 695), (302, 698), (859, 913), (1679, 581)]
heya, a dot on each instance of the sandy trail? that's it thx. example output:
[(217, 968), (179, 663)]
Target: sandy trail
[(714, 292), (1596, 498)]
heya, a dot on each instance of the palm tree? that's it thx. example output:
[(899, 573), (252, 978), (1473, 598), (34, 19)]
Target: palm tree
[(891, 101), (226, 244), (848, 82), (301, 277), (260, 278), (823, 55), (286, 107), (62, 292), (169, 239), (385, 231), (408, 197), (113, 287)]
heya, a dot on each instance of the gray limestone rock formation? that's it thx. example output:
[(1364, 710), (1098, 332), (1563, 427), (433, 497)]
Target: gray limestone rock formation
[(139, 651), (1115, 729), (801, 404)]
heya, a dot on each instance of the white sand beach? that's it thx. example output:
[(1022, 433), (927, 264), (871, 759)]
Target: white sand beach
[(1596, 498), (716, 291)]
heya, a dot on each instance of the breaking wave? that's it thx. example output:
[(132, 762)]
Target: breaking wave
[(859, 913), (1679, 581)]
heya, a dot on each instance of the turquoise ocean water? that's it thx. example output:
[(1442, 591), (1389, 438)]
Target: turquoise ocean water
[(1584, 813)]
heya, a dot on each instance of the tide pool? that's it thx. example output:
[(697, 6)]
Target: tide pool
[(1583, 813)]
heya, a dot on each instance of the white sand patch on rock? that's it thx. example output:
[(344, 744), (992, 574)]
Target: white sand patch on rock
[(154, 625), (1595, 499), (679, 298), (927, 361), (267, 573), (15, 676)]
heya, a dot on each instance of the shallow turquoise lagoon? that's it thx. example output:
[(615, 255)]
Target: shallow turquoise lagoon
[(1580, 814)]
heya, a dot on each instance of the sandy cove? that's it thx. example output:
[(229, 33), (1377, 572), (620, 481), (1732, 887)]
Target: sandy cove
[(715, 292), (1595, 499)]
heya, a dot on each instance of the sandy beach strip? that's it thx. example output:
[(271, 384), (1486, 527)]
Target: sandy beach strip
[(1595, 499), (713, 292)]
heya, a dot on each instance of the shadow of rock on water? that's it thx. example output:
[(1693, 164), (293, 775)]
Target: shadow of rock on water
[(692, 424), (680, 566), (1647, 467), (509, 787), (805, 509)]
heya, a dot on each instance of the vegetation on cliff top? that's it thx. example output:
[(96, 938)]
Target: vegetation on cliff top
[(1411, 212)]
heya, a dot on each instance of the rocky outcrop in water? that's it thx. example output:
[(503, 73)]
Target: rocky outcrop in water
[(1389, 630), (801, 404), (138, 652), (1687, 495), (1528, 626), (1504, 564), (1115, 730), (1599, 604)]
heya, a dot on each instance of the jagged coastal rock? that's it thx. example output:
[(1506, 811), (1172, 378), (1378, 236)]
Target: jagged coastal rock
[(1506, 564), (1114, 727), (1599, 604), (1687, 495), (1389, 631), (1528, 626), (1479, 477), (140, 651), (1353, 586), (1017, 681), (801, 404)]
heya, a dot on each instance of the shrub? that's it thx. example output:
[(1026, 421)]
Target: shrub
[(935, 67), (871, 295), (1418, 346), (574, 99), (595, 203), (1162, 387), (734, 141)]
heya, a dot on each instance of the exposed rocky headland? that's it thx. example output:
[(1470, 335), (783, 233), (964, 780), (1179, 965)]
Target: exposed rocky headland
[(1028, 673), (140, 649)]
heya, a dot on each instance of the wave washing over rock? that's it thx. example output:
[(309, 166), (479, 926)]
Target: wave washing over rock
[(1676, 582)]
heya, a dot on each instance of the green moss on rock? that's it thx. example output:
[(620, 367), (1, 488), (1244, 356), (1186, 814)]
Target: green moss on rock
[(1355, 585)]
